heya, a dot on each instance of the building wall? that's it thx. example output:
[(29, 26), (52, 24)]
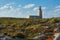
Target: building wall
[(34, 17)]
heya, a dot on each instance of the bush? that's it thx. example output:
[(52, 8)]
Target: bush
[(20, 35)]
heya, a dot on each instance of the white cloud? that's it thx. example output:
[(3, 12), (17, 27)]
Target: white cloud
[(7, 6), (54, 13), (57, 6), (43, 8), (36, 8), (29, 6), (8, 10), (57, 9)]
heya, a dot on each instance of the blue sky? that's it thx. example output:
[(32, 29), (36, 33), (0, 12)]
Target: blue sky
[(24, 8)]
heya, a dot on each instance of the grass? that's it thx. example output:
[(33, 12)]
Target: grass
[(22, 24)]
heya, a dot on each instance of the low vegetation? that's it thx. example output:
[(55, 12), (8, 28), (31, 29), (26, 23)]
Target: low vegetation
[(27, 28)]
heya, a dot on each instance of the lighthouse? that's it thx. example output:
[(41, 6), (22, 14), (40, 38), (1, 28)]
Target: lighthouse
[(39, 13)]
